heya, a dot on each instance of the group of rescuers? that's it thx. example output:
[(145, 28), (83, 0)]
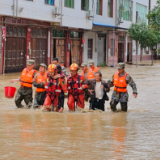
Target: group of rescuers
[(51, 87)]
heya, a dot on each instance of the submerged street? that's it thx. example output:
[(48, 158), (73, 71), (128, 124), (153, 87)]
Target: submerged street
[(33, 134)]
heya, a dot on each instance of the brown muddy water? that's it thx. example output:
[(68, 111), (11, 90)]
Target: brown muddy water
[(35, 135)]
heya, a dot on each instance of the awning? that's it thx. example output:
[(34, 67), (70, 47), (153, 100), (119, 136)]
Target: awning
[(109, 26), (103, 25)]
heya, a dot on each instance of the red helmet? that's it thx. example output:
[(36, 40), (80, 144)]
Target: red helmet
[(52, 68), (74, 67)]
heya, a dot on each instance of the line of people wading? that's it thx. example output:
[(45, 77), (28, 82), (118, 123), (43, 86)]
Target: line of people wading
[(52, 88)]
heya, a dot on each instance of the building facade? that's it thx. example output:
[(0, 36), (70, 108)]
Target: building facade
[(72, 30)]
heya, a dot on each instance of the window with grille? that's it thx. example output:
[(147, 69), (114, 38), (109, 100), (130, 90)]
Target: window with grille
[(69, 3), (16, 31), (112, 47), (99, 7), (110, 8), (50, 2), (141, 12), (85, 5), (90, 50), (126, 9)]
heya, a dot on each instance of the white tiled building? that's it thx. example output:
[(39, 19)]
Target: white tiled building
[(44, 29)]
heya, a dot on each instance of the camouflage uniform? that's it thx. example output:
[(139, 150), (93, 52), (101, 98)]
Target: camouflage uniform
[(121, 97), (24, 93), (39, 96)]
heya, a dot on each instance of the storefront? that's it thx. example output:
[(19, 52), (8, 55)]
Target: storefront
[(15, 49)]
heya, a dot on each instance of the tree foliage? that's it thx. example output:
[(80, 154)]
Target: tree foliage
[(144, 35), (154, 17)]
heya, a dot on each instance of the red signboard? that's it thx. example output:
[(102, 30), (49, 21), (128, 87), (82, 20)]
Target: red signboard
[(4, 32)]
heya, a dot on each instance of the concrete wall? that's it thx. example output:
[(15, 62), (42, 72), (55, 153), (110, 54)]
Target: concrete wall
[(126, 24), (104, 17), (38, 10)]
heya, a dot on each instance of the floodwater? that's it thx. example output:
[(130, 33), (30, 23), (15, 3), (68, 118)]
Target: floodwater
[(34, 135)]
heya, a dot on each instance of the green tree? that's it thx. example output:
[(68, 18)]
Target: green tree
[(154, 17), (144, 36)]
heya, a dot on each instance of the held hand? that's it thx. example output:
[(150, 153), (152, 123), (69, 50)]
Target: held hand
[(61, 110), (90, 92), (135, 95), (83, 87), (57, 76), (11, 81), (102, 87), (44, 82)]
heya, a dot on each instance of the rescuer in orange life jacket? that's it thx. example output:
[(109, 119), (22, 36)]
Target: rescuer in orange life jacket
[(54, 89), (76, 87), (84, 70), (92, 70), (39, 81), (120, 80), (25, 90)]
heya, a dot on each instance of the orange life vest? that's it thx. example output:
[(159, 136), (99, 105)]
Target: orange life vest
[(41, 78), (120, 82), (27, 78), (91, 72)]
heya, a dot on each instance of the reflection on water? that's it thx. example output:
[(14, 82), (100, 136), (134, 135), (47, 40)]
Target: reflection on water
[(32, 134)]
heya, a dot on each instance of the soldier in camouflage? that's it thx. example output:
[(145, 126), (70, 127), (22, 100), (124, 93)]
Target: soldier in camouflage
[(39, 81), (25, 90), (120, 80)]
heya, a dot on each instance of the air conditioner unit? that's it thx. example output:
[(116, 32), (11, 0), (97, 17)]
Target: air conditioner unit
[(90, 14), (56, 11)]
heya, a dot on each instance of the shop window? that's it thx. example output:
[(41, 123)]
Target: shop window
[(121, 39), (15, 31), (38, 32), (85, 5), (110, 8), (126, 9), (74, 34), (99, 7), (141, 12), (69, 3), (112, 47), (90, 50), (58, 33), (50, 2), (10, 31)]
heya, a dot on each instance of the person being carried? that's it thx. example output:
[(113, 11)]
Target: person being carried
[(92, 70), (120, 81), (26, 81), (76, 87), (97, 91), (39, 81), (54, 89), (60, 68)]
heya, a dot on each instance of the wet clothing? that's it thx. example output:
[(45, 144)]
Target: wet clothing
[(96, 102), (91, 72), (118, 96), (24, 93), (75, 91), (38, 83), (124, 106), (25, 90), (54, 91)]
